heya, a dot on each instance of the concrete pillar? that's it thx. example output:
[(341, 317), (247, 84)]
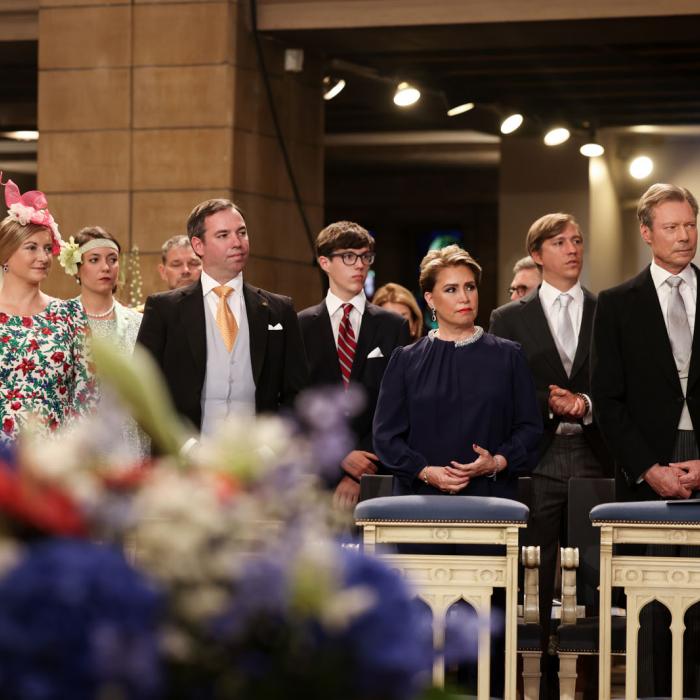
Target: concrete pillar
[(146, 109)]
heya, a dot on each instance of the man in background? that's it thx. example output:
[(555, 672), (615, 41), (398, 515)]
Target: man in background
[(526, 278), (179, 265)]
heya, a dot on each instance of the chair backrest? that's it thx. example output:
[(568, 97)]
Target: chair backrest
[(375, 486), (584, 494)]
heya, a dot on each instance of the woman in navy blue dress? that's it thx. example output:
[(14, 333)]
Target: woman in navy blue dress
[(457, 411)]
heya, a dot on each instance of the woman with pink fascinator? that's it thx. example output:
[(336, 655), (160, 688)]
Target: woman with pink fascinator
[(44, 373)]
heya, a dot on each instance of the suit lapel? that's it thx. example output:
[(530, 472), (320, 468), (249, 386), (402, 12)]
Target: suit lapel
[(537, 328), (584, 334), (195, 323), (324, 343), (368, 330), (258, 313), (653, 328), (694, 370)]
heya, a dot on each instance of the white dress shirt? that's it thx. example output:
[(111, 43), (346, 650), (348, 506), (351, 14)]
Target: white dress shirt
[(688, 291), (548, 299), (335, 310)]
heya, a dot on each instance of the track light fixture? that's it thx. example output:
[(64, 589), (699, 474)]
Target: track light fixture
[(557, 136), (406, 95), (25, 135), (591, 150), (511, 123), (641, 167), (460, 109), (332, 87)]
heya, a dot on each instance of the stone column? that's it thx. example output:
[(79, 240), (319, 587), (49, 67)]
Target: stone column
[(147, 108)]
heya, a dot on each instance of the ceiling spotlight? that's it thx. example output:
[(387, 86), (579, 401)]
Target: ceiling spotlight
[(406, 95), (460, 109), (591, 150), (332, 87), (21, 135), (511, 123), (557, 136), (641, 167)]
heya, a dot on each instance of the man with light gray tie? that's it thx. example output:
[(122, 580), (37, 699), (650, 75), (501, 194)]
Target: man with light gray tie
[(553, 325), (645, 363)]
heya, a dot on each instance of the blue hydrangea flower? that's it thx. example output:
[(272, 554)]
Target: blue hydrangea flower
[(75, 618)]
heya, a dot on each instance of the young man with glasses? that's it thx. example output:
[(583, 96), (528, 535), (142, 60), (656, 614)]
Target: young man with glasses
[(349, 341)]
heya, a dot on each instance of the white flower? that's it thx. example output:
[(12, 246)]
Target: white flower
[(21, 213), (70, 256)]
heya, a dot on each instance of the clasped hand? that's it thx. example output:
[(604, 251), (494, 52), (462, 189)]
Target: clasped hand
[(566, 404), (678, 480), (457, 476)]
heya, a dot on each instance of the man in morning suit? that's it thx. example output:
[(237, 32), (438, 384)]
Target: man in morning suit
[(645, 364), (224, 346), (349, 341), (553, 324)]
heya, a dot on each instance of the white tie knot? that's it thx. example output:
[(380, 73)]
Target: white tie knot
[(674, 281), (565, 300)]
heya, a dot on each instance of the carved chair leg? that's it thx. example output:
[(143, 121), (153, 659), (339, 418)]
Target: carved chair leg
[(567, 676), (531, 674)]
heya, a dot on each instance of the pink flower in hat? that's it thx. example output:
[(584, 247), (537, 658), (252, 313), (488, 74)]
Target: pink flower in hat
[(31, 208)]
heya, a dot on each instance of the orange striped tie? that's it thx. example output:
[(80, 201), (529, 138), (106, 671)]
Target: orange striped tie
[(225, 319)]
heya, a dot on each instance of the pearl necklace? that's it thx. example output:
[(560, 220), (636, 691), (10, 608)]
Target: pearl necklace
[(102, 315)]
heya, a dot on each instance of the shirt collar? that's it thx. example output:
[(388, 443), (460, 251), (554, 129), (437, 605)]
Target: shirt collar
[(659, 275), (333, 303), (208, 283), (549, 294)]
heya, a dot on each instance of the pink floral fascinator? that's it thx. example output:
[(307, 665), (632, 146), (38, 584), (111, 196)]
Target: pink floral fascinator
[(31, 208)]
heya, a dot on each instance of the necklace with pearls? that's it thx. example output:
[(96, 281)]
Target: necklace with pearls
[(102, 315)]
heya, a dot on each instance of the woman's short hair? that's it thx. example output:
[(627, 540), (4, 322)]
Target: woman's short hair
[(437, 260), (13, 234), (393, 293), (546, 227), (658, 194)]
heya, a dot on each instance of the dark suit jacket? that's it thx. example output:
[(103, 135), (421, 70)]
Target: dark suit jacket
[(637, 395), (379, 329), (524, 321), (174, 331)]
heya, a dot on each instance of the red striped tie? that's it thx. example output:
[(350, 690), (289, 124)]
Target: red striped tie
[(346, 345)]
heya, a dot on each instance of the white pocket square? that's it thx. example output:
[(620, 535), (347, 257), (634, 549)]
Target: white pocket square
[(276, 327), (375, 353)]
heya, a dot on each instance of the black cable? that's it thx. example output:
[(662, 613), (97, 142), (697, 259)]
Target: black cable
[(278, 133)]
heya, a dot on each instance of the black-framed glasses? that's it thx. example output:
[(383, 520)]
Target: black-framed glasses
[(520, 290), (351, 258)]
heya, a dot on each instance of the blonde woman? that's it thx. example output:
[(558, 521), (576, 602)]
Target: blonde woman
[(394, 297), (44, 371)]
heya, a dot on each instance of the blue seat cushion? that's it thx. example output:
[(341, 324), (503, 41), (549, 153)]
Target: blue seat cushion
[(441, 509), (670, 512)]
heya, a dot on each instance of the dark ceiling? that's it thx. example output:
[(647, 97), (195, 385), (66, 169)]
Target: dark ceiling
[(592, 73), (586, 73)]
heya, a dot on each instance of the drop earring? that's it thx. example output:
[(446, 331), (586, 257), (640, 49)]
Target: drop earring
[(433, 314)]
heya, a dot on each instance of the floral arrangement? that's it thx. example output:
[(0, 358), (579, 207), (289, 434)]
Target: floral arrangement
[(218, 575)]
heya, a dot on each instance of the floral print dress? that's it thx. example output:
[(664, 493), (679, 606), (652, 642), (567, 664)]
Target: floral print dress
[(45, 374)]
